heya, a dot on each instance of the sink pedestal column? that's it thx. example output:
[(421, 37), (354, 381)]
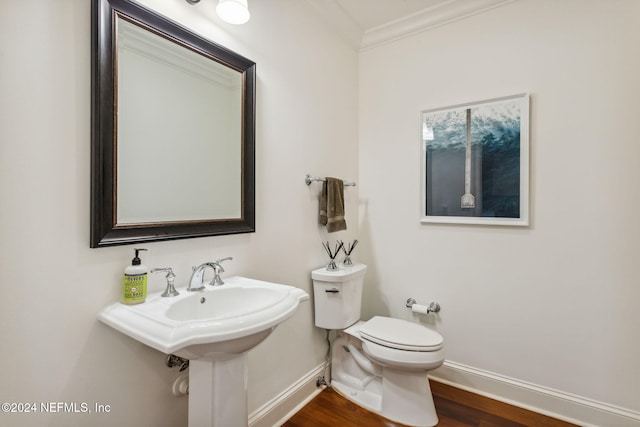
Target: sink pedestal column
[(218, 391)]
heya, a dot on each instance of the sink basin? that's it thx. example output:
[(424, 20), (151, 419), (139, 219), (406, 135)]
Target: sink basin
[(225, 303), (231, 318)]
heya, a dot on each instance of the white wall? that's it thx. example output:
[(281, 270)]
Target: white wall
[(554, 304), (53, 285)]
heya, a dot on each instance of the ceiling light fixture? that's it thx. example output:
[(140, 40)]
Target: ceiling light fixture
[(231, 11)]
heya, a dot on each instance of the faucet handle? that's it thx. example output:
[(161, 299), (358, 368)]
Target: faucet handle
[(217, 269), (229, 258), (170, 276), (170, 291)]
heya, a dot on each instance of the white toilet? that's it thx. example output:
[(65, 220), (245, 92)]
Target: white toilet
[(380, 364)]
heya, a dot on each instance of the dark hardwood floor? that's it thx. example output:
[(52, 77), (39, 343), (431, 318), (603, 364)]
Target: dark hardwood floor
[(455, 407)]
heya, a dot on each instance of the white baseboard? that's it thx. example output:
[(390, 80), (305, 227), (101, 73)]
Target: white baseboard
[(565, 406), (282, 407)]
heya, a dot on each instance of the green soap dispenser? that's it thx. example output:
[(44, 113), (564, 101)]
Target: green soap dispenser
[(135, 281)]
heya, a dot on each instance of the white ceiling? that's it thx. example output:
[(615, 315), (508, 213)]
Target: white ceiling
[(368, 23)]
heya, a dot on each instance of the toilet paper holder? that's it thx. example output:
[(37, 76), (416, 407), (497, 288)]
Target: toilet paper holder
[(433, 307)]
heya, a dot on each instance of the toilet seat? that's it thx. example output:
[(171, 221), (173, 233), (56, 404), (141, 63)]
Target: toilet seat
[(403, 359), (400, 334)]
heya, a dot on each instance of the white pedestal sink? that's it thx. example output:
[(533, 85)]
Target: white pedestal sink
[(214, 329)]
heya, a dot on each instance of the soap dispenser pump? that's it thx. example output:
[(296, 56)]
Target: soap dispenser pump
[(135, 281)]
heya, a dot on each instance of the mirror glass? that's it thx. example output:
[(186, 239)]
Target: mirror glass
[(193, 123), (173, 131)]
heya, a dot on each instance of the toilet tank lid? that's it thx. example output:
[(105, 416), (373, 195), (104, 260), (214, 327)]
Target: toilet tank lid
[(341, 274), (401, 334)]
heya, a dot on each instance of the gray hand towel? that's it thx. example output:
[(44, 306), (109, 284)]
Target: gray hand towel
[(332, 205)]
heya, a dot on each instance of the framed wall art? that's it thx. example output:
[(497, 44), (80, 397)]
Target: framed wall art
[(475, 163)]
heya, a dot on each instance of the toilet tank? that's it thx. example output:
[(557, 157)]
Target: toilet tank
[(338, 296)]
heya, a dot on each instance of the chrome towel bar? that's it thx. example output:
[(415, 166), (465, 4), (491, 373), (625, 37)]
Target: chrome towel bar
[(308, 179)]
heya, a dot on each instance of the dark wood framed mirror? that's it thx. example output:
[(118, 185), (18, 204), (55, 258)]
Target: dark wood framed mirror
[(173, 131)]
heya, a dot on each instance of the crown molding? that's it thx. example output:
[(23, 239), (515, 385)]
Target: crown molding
[(445, 12), (426, 19)]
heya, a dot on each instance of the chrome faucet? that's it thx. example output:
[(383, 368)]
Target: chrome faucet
[(196, 283)]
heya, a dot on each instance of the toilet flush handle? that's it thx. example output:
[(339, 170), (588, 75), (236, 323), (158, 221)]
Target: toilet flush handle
[(332, 291)]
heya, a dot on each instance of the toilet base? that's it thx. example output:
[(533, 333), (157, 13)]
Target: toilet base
[(399, 395), (419, 412), (363, 398), (406, 397)]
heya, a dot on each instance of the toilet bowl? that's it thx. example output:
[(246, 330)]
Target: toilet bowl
[(380, 364)]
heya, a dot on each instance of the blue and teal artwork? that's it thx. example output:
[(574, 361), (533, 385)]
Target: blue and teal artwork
[(473, 160)]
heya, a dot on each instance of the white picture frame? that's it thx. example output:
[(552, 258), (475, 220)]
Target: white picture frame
[(475, 163)]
